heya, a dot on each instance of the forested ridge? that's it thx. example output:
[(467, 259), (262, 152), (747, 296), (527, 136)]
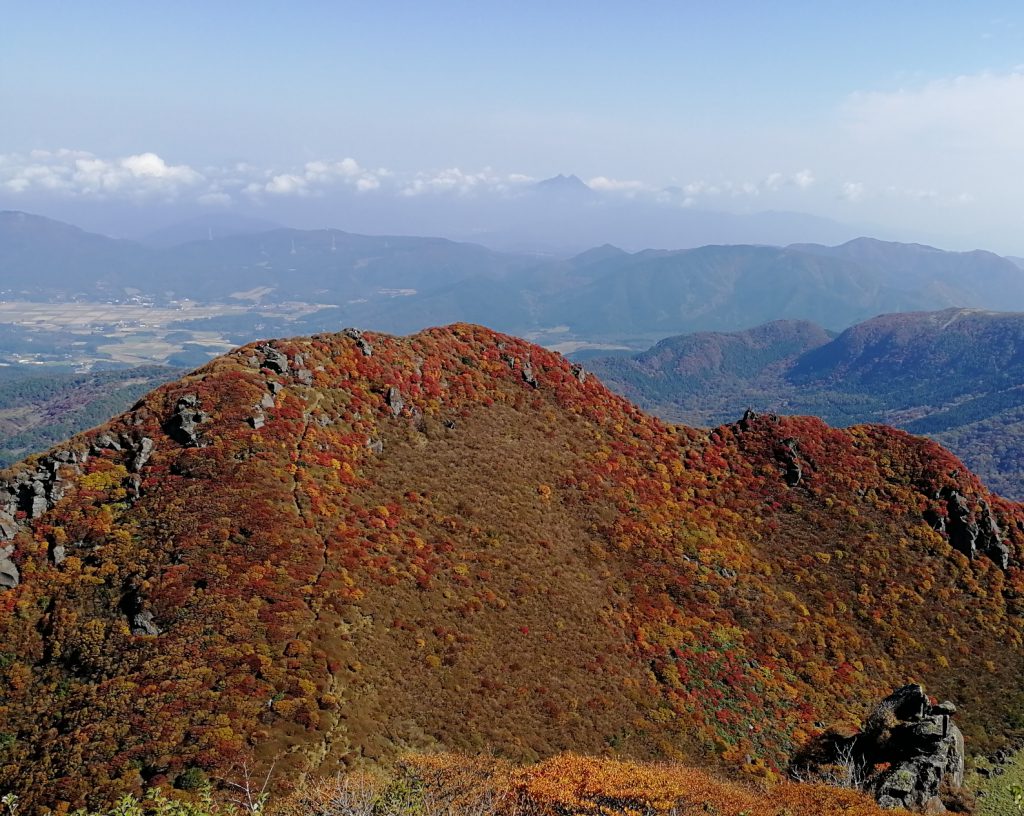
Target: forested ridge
[(324, 552)]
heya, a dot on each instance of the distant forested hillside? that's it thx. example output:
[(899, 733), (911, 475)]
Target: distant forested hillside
[(38, 410), (955, 375)]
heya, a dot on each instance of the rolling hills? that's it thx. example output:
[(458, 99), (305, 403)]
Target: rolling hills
[(325, 551), (955, 375)]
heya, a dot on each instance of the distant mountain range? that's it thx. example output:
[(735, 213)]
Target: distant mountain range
[(956, 375), (561, 215), (403, 284)]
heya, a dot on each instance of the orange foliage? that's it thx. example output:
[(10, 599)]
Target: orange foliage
[(572, 785)]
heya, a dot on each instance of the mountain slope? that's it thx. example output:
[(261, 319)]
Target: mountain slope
[(38, 254), (327, 550), (957, 375)]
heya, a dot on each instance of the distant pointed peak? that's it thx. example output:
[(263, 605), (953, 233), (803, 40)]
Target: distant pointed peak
[(562, 183)]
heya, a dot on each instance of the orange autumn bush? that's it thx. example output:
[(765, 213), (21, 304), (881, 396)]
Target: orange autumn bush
[(565, 785)]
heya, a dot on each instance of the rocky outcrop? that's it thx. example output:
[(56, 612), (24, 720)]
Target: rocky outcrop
[(9, 575), (141, 449), (274, 359), (528, 376), (579, 372), (971, 531), (143, 624), (395, 401), (362, 343), (924, 749), (907, 754), (33, 491), (183, 426), (788, 455)]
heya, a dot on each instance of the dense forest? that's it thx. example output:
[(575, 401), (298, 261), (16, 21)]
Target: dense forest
[(324, 552)]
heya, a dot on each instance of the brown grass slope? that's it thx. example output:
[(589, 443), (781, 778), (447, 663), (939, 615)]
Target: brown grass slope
[(529, 565)]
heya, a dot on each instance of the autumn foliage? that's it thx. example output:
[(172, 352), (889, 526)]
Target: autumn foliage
[(565, 785), (508, 558)]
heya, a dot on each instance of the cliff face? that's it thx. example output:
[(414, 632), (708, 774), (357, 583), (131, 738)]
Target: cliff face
[(324, 551)]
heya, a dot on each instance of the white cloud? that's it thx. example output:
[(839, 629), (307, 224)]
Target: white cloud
[(605, 184), (287, 184), (946, 142), (78, 173), (852, 191), (317, 177), (803, 179), (975, 112), (151, 166), (456, 181)]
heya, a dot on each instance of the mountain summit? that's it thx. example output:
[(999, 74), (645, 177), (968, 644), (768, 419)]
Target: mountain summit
[(324, 551), (563, 185)]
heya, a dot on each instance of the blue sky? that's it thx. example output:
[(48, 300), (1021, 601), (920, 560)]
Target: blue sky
[(902, 114)]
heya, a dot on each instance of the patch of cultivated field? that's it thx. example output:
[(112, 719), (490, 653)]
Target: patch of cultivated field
[(130, 333), (87, 316)]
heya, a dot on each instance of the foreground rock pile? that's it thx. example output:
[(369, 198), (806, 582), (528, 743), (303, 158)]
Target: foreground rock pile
[(908, 753)]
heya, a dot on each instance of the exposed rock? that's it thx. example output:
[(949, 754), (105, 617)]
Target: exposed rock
[(304, 376), (794, 471), (70, 457), (275, 387), (9, 575), (274, 360), (59, 554), (300, 361), (267, 402), (141, 450), (31, 492), (8, 527), (183, 426), (747, 419), (364, 345), (395, 401), (579, 372), (143, 624), (257, 421), (375, 445), (972, 533), (37, 501), (528, 376), (906, 752), (133, 486), (449, 424), (106, 442)]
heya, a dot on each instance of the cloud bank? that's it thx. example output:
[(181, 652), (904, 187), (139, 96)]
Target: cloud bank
[(78, 174)]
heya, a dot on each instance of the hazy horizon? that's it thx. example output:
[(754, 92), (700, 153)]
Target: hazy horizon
[(437, 120)]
